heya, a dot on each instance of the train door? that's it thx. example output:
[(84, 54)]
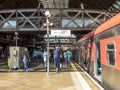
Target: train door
[(89, 59), (97, 63), (81, 54)]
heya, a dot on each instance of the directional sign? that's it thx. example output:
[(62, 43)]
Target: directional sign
[(60, 32)]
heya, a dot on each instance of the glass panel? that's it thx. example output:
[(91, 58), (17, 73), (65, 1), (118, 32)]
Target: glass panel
[(116, 6), (118, 2), (111, 57), (110, 53), (10, 24), (110, 46)]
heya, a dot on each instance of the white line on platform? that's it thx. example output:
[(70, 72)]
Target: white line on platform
[(101, 88), (79, 82)]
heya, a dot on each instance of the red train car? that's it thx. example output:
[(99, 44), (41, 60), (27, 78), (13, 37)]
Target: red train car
[(100, 53)]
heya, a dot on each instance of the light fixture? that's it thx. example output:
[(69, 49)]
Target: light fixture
[(16, 37), (47, 14)]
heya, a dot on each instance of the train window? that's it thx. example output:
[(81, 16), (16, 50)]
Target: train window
[(111, 53)]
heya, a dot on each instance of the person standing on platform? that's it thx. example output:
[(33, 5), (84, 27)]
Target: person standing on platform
[(65, 56), (69, 55), (61, 58), (26, 59), (45, 58), (35, 56), (39, 55), (56, 54)]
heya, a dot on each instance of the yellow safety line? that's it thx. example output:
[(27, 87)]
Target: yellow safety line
[(74, 67)]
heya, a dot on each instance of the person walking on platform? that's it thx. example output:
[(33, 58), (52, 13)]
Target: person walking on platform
[(56, 54), (35, 56), (69, 55), (45, 59), (26, 59)]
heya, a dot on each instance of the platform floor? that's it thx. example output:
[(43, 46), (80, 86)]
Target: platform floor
[(38, 79)]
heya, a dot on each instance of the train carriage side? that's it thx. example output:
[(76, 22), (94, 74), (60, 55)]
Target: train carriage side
[(86, 47), (107, 48), (75, 53), (100, 53)]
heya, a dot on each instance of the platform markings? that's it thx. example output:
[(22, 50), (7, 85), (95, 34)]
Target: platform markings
[(74, 67), (78, 80), (101, 88)]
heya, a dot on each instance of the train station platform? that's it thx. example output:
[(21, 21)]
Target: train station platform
[(70, 78)]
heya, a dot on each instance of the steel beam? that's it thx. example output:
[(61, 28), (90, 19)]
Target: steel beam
[(33, 19)]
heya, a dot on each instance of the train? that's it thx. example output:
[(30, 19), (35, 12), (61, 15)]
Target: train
[(98, 52)]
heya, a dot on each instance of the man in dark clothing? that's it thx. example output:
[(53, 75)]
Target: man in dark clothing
[(56, 54), (26, 59)]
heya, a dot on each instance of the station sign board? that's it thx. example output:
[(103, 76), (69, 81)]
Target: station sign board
[(60, 32)]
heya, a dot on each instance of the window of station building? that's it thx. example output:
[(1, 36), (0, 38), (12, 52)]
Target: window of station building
[(110, 52)]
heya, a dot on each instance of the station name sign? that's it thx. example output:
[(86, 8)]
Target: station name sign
[(60, 32)]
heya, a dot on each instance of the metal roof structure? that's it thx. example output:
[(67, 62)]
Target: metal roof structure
[(115, 7), (88, 4), (24, 11)]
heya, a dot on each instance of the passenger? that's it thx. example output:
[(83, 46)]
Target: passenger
[(51, 56), (45, 58), (35, 54), (65, 56), (61, 58), (69, 55), (26, 59), (56, 54), (39, 56)]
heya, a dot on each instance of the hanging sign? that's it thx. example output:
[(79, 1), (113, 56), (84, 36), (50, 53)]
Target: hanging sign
[(60, 32)]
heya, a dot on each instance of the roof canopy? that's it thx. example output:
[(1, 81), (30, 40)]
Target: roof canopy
[(86, 4)]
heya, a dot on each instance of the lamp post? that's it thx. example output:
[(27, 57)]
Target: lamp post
[(47, 24), (16, 38)]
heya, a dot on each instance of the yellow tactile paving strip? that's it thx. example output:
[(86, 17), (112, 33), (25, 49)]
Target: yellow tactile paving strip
[(88, 80), (74, 67)]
